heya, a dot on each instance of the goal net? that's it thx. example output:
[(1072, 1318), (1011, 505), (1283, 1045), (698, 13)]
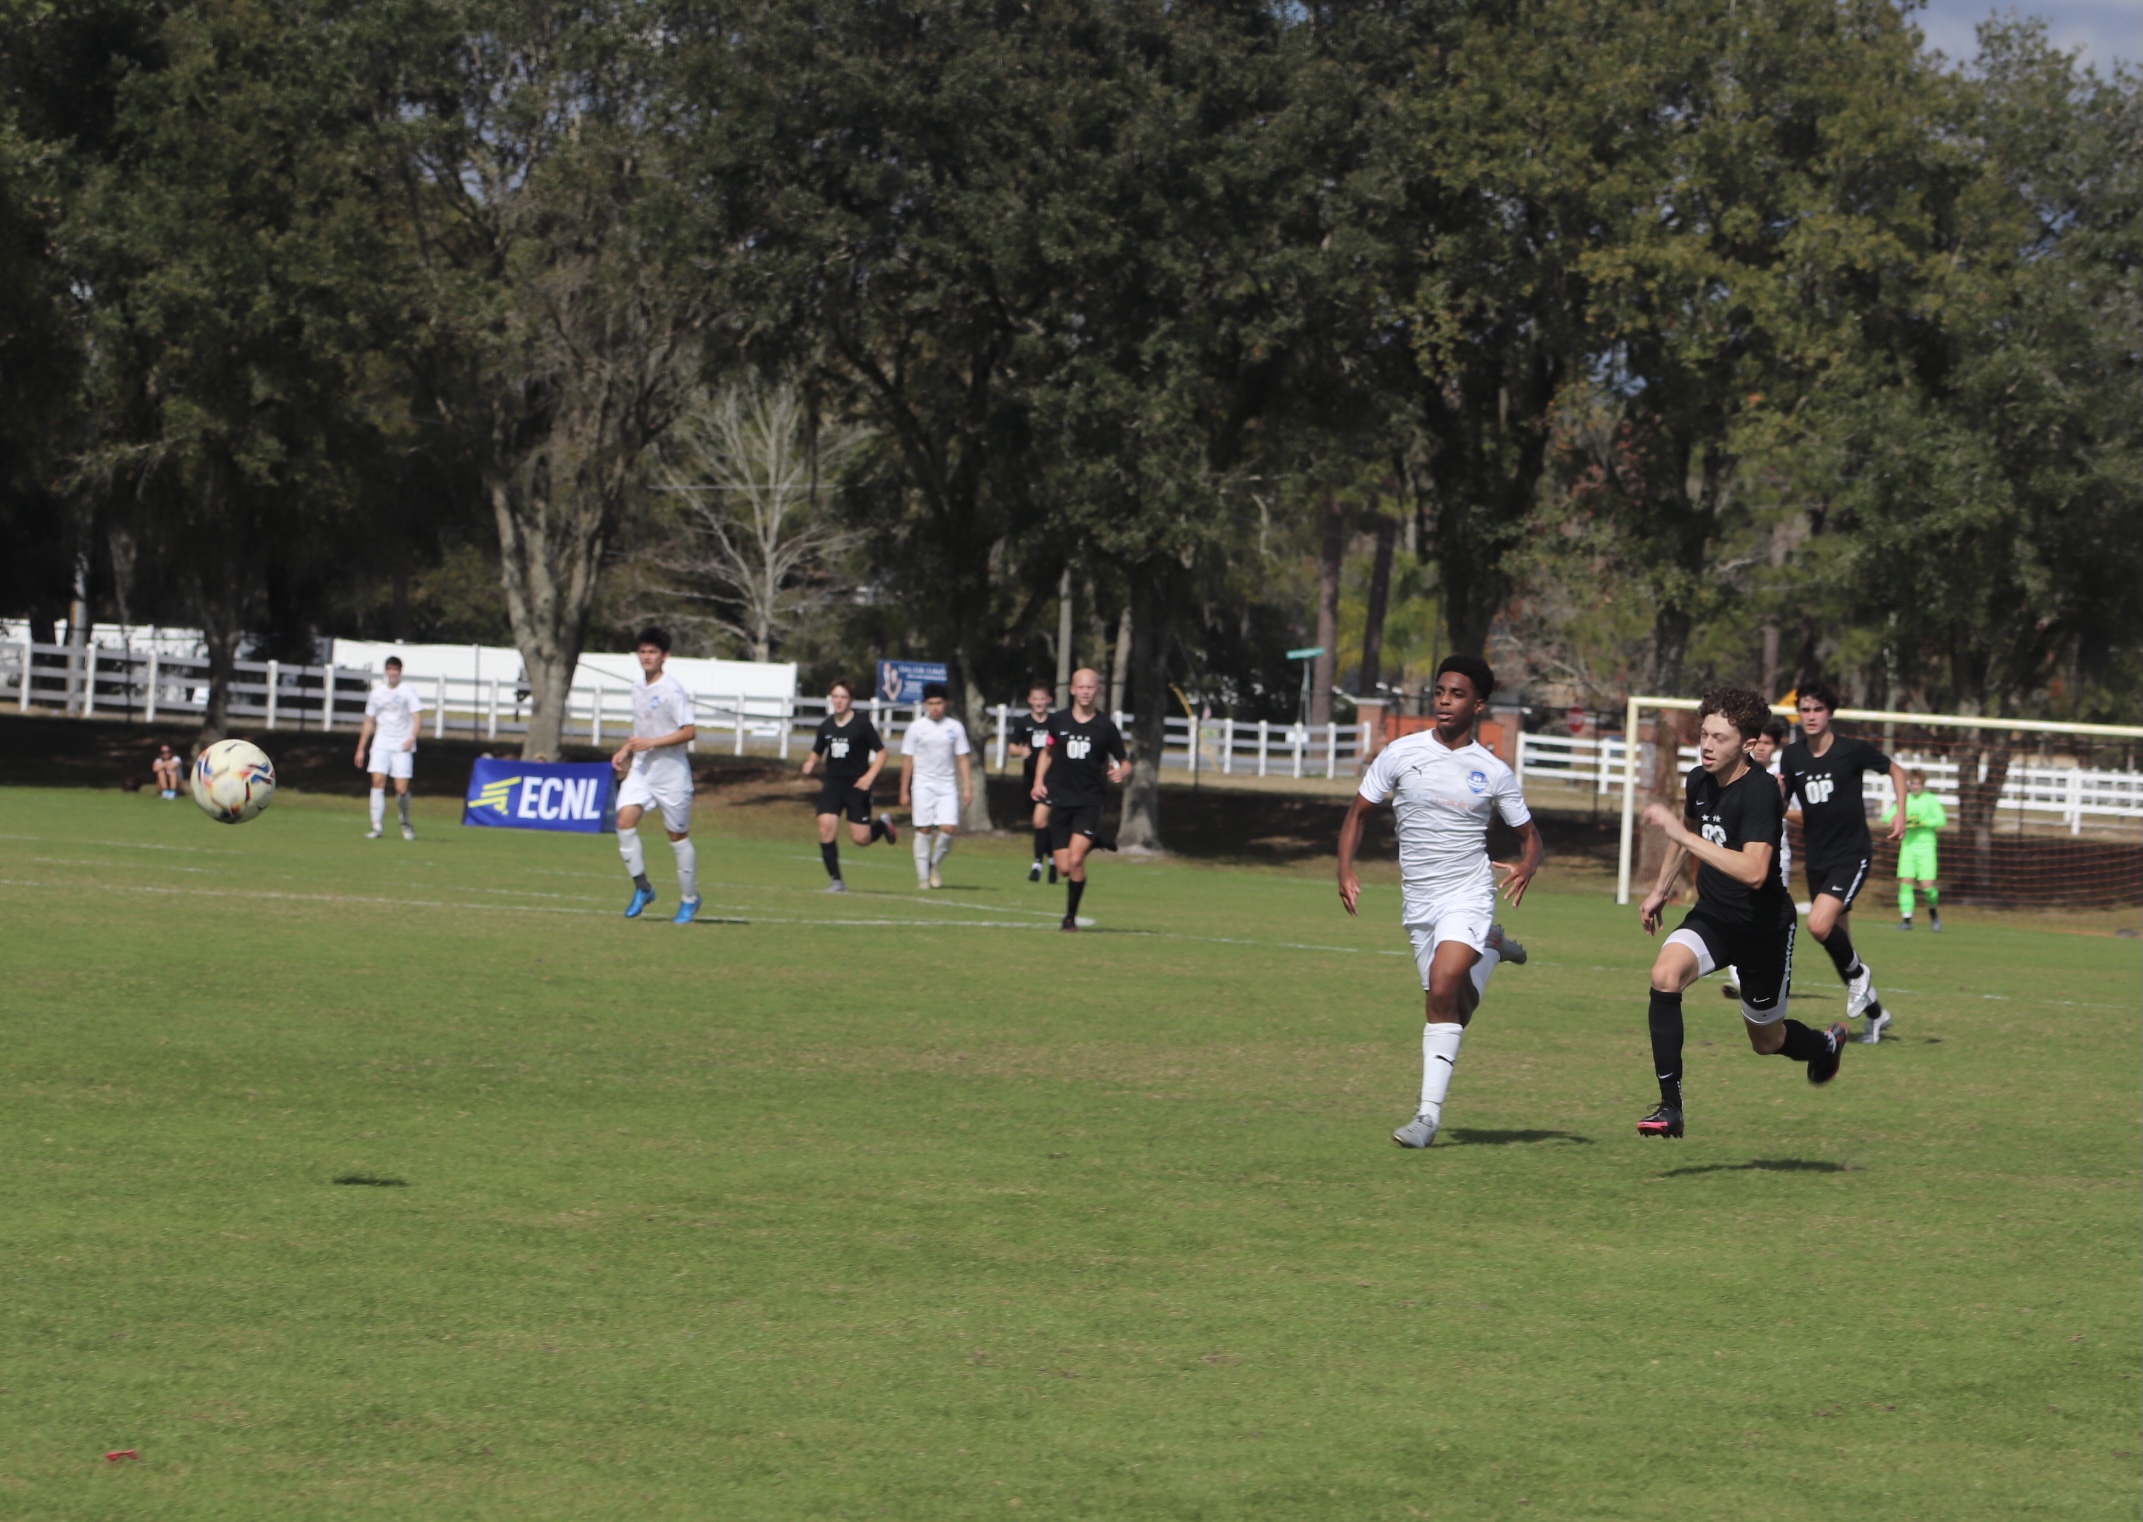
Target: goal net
[(2040, 816)]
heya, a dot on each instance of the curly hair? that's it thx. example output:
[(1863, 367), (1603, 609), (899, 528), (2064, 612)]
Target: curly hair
[(1739, 707), (1820, 691)]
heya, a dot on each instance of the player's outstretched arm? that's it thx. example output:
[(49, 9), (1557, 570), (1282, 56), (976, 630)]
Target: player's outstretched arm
[(967, 779), (1897, 795), (1749, 864), (364, 738), (1040, 790), (870, 774), (1519, 874), (1350, 841), (907, 777)]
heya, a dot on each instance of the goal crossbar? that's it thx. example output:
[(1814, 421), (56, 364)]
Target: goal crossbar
[(1631, 749)]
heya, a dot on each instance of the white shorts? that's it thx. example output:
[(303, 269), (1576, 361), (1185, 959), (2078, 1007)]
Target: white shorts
[(392, 763), (669, 790), (1464, 920), (935, 806)]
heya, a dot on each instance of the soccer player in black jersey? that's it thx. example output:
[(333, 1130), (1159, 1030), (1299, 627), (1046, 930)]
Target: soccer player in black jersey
[(854, 756), (1029, 738), (1083, 749), (1822, 770), (1733, 823)]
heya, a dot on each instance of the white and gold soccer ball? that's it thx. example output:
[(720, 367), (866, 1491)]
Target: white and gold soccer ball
[(233, 780)]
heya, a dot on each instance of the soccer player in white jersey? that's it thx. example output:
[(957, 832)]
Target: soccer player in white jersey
[(389, 740), (657, 774), (937, 780), (1444, 786)]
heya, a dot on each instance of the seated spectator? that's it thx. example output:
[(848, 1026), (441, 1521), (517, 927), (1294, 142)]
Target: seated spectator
[(167, 767)]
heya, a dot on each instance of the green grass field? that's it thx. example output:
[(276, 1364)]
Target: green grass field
[(906, 1206)]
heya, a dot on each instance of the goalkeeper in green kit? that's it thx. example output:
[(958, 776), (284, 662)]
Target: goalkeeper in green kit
[(1916, 853)]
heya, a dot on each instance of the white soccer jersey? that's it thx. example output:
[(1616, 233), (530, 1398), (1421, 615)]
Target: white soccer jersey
[(934, 743), (661, 707), (394, 712), (1442, 800)]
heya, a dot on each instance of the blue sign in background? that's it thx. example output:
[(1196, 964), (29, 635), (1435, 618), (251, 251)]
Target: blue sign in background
[(902, 681), (541, 795)]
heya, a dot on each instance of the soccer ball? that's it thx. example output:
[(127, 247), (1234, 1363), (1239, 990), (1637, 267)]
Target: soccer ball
[(233, 780)]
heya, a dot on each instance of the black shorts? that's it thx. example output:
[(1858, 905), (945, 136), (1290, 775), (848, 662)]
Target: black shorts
[(1762, 959), (840, 798), (1069, 819), (1841, 879)]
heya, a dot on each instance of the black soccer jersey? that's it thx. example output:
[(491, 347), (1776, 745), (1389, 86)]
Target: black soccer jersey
[(1079, 757), (847, 748), (1834, 819), (1025, 729), (1733, 816)]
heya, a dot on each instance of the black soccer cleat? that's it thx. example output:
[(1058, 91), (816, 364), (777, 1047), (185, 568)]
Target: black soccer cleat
[(1823, 1067), (1034, 873), (1070, 925), (1052, 874), (1665, 1120)]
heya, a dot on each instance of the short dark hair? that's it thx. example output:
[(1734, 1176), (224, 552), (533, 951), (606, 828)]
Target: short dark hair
[(844, 684), (1822, 692), (1473, 669), (1043, 684), (392, 660), (1739, 707), (653, 634), (1777, 728), (933, 690)]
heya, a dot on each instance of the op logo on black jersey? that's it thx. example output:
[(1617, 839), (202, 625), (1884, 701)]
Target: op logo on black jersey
[(1818, 789), (1078, 747)]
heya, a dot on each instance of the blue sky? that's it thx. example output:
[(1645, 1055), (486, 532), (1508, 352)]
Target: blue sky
[(2107, 30)]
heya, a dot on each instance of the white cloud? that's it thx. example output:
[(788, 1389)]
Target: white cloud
[(2108, 31)]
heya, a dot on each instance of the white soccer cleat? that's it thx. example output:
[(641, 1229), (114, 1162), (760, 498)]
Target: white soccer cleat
[(1418, 1132), (1860, 993), (409, 832), (836, 886), (1509, 950), (374, 833), (1873, 1035), (935, 880)]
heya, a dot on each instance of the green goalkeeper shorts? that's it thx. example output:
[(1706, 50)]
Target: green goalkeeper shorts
[(1916, 861)]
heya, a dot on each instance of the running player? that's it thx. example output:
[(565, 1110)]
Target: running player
[(389, 737), (1081, 749), (1030, 737), (937, 781), (657, 775), (1823, 770), (854, 757), (1444, 786), (1763, 755), (1733, 823), (1924, 815)]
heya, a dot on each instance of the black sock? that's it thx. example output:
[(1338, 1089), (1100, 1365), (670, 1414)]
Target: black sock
[(640, 881), (1666, 1022), (830, 853), (1840, 947), (1041, 844), (1073, 892), (1802, 1044)]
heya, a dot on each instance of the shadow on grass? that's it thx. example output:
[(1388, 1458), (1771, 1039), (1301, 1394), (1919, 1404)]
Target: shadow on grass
[(372, 1182), (1761, 1165), (1514, 1138)]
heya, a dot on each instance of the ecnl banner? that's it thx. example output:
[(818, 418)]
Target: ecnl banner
[(541, 795)]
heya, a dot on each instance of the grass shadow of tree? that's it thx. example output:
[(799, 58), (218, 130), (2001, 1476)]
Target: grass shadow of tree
[(1761, 1165)]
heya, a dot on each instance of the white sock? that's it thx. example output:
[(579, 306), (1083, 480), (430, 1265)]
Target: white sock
[(921, 842), (629, 848), (1439, 1055), (687, 869), (1481, 969), (942, 849), (379, 807)]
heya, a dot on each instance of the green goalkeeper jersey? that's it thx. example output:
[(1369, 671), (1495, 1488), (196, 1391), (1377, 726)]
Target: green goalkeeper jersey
[(1924, 815)]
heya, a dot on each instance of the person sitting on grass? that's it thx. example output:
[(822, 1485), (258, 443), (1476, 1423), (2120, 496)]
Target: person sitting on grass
[(167, 767)]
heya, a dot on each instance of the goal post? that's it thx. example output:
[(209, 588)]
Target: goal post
[(2042, 814)]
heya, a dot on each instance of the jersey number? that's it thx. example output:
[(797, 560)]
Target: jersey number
[(1078, 749), (1715, 833), (1818, 789), (838, 749)]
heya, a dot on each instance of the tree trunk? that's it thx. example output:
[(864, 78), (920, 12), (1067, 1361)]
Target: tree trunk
[(1671, 730), (1372, 672), (1150, 631), (1978, 802), (1120, 665), (1324, 670), (220, 632), (975, 816), (549, 578)]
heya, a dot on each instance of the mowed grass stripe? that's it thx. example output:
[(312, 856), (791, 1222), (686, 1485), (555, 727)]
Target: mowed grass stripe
[(877, 1220)]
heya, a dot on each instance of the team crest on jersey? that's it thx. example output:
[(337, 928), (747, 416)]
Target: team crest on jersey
[(1478, 781)]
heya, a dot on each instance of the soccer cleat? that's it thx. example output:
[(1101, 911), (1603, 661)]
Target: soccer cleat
[(892, 836), (837, 886), (409, 832), (1070, 925), (374, 833), (1860, 992), (1665, 1120), (1034, 873), (685, 912), (1418, 1132), (1823, 1068), (922, 884), (1934, 923), (641, 898), (1052, 874), (1877, 1024), (1506, 948), (1905, 923), (935, 880)]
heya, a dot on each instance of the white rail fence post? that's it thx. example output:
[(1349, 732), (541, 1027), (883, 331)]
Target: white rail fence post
[(998, 749), (1227, 747), (28, 651), (149, 702), (1264, 745), (595, 718), (738, 717), (89, 680)]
